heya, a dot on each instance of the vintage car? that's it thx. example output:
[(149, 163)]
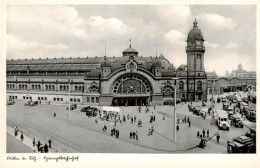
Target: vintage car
[(230, 115), (237, 122), (10, 103), (84, 109), (72, 107), (31, 103), (92, 112), (250, 113)]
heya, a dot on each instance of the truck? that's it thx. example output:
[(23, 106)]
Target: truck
[(244, 143), (222, 120), (250, 113)]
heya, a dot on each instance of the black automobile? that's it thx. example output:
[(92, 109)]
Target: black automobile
[(10, 103), (72, 107), (84, 109), (237, 122), (31, 103), (92, 112)]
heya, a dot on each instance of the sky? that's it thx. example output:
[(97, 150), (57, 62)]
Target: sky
[(49, 31)]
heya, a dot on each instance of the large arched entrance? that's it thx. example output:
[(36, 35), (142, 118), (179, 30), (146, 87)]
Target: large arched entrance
[(131, 90)]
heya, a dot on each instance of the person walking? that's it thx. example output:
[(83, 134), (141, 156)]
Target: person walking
[(208, 133), (203, 133), (130, 135), (177, 128), (198, 134), (154, 118), (133, 135), (49, 141), (33, 142), (136, 135), (218, 137), (54, 114), (38, 145), (46, 148), (22, 136), (15, 131), (189, 124)]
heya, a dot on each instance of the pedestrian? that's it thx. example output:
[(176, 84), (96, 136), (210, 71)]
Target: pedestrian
[(151, 119), (111, 132), (46, 148), (188, 120), (54, 114), (198, 134), (163, 117), (133, 135), (178, 120), (124, 118), (127, 116), (185, 119), (177, 128), (134, 118), (49, 141), (15, 131), (136, 135), (130, 135), (218, 137), (33, 142), (154, 118), (208, 133), (149, 133), (38, 145), (115, 123), (154, 107), (22, 136), (203, 132), (189, 124)]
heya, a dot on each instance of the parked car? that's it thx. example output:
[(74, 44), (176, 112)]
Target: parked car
[(237, 122), (31, 103), (84, 109), (10, 103), (92, 112), (72, 107)]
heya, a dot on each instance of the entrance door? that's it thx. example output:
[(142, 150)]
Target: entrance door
[(129, 101)]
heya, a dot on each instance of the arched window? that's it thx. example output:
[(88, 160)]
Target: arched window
[(25, 86), (32, 86), (64, 87), (199, 85), (39, 86), (181, 86), (80, 88), (168, 91), (76, 87), (60, 87), (46, 86), (20, 86), (53, 87)]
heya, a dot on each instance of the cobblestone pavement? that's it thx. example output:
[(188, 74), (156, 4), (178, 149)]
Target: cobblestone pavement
[(78, 133)]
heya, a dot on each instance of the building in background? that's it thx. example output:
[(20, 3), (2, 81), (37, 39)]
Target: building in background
[(127, 80), (238, 80)]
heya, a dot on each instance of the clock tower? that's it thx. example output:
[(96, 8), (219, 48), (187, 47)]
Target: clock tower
[(195, 49), (196, 76)]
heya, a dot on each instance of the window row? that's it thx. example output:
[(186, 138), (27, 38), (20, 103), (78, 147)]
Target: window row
[(93, 99), (42, 98)]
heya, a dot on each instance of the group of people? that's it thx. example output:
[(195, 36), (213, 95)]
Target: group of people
[(133, 135), (16, 132), (115, 132), (42, 148), (202, 134)]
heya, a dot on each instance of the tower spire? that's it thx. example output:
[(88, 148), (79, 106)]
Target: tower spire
[(130, 43), (195, 23), (156, 49), (105, 49)]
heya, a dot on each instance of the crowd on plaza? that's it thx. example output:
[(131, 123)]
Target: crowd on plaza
[(40, 147)]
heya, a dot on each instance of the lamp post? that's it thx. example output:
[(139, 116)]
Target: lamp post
[(212, 90), (174, 115), (69, 98)]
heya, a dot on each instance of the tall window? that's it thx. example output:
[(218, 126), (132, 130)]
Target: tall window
[(181, 86), (199, 85)]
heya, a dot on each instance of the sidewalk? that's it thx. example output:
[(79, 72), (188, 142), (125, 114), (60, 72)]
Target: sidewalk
[(27, 141)]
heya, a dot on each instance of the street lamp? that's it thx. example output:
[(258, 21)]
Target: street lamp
[(174, 116)]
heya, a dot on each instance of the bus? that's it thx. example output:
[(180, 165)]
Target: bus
[(242, 106), (222, 120)]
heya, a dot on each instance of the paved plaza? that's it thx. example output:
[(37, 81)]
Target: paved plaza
[(79, 134)]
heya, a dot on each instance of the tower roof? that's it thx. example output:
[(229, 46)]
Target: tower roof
[(195, 33)]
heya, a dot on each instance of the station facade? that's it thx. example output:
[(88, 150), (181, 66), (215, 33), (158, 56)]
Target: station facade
[(127, 80)]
